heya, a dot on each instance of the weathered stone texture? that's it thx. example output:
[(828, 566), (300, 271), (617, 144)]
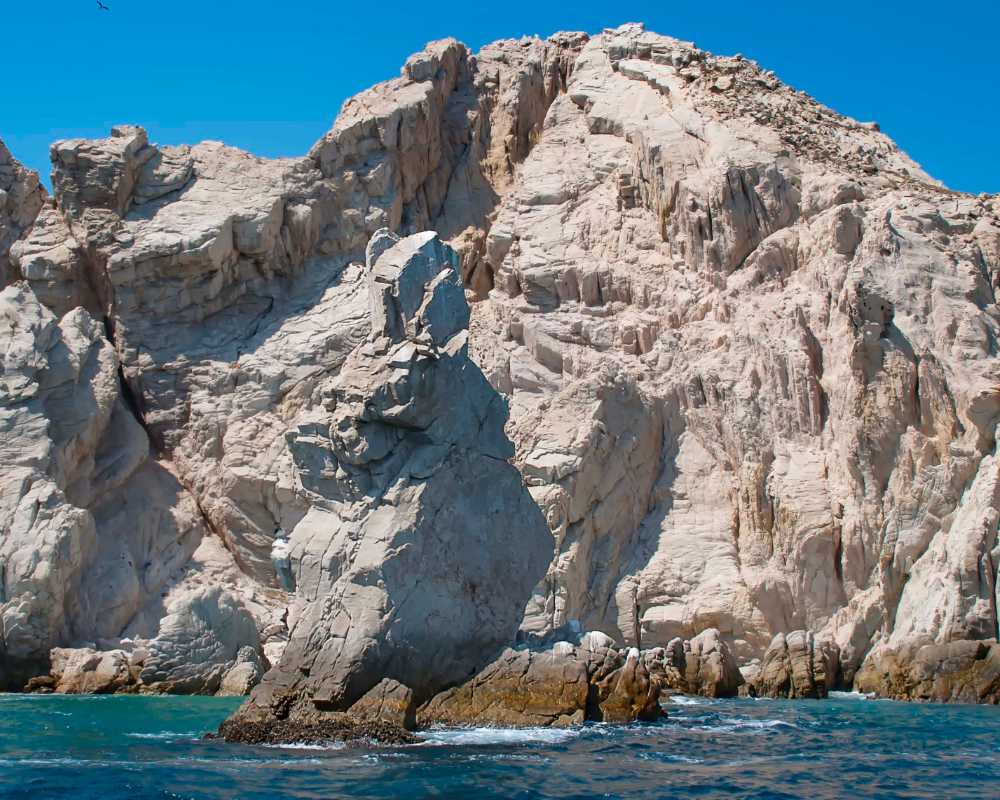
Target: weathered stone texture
[(748, 349)]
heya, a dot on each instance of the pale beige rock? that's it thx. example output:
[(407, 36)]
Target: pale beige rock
[(229, 296), (86, 671), (245, 673), (52, 262), (21, 198), (748, 347), (806, 318), (200, 641), (96, 532)]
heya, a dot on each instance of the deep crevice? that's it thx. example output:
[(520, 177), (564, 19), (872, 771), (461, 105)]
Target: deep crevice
[(132, 401)]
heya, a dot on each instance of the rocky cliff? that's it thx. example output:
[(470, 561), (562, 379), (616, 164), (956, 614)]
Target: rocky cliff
[(748, 347)]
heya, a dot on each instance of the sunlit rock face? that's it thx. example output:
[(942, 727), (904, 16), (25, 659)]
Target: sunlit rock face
[(422, 544), (749, 351), (751, 354), (187, 308), (21, 198)]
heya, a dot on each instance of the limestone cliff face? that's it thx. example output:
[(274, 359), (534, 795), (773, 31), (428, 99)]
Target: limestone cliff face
[(749, 350)]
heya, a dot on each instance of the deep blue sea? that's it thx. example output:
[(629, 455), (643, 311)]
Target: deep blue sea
[(150, 747)]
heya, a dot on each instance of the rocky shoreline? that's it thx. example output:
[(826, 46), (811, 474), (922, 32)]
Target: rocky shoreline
[(600, 334)]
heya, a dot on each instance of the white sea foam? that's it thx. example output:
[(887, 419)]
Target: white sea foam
[(307, 746), (164, 735), (490, 736), (736, 724), (675, 757), (689, 700), (850, 696), (757, 723), (503, 757), (683, 759)]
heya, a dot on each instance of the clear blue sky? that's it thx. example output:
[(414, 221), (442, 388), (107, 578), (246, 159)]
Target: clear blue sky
[(269, 77)]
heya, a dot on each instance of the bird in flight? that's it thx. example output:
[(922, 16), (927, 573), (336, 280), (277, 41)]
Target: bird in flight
[(101, 6)]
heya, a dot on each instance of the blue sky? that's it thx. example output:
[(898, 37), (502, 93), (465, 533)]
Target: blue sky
[(269, 77)]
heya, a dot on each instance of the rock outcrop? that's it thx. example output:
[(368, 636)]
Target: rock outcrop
[(21, 198), (565, 684), (216, 292), (748, 349), (703, 666), (101, 542), (796, 666), (199, 649), (962, 671), (86, 671), (422, 545)]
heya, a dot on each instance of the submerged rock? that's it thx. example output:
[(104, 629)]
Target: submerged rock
[(332, 728)]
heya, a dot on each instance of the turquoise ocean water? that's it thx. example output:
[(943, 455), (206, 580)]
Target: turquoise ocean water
[(150, 747)]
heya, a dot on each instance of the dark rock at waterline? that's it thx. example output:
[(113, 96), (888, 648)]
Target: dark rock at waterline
[(40, 684), (703, 665), (335, 728), (796, 665), (564, 685), (964, 671)]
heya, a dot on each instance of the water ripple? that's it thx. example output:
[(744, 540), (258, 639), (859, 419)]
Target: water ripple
[(138, 748)]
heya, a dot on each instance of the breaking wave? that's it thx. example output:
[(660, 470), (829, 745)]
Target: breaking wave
[(497, 736)]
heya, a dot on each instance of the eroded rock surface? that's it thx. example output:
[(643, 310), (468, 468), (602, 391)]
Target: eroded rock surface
[(703, 666), (962, 671), (565, 684), (208, 294), (21, 198), (422, 545), (750, 352), (796, 666), (748, 347)]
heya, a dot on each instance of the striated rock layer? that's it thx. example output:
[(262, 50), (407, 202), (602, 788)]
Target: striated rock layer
[(749, 350)]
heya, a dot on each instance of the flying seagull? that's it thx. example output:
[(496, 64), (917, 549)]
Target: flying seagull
[(101, 6)]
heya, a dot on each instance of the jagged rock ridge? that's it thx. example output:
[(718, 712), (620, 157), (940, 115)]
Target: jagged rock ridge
[(749, 349)]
